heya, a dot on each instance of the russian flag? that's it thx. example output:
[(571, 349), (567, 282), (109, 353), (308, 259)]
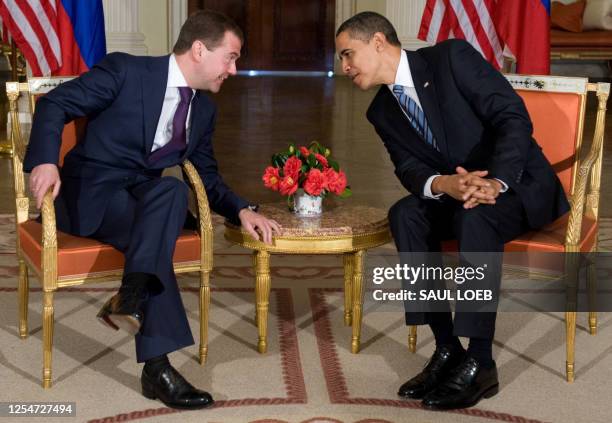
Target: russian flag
[(56, 37), (524, 25)]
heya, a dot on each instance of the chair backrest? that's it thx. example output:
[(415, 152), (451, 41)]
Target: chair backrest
[(22, 95), (556, 106)]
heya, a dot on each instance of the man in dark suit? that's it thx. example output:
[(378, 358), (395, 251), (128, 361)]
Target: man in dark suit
[(461, 142), (144, 114)]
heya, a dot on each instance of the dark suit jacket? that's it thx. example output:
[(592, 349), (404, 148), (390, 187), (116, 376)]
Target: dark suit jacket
[(479, 123), (122, 98)]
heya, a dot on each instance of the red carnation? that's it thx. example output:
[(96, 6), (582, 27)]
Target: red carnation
[(271, 178), (336, 181), (292, 167), (287, 185), (315, 182), (305, 152), (322, 159)]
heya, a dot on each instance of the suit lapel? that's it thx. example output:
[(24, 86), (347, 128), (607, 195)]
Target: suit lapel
[(426, 90), (153, 91)]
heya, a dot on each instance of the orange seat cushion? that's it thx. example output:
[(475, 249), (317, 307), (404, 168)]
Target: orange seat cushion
[(82, 256), (549, 239)]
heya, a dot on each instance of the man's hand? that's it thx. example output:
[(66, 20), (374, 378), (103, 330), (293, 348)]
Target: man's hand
[(484, 195), (480, 190), (461, 185), (251, 220), (42, 178)]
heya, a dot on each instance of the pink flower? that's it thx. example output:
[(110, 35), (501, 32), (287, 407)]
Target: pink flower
[(292, 167), (287, 185), (305, 152), (336, 181), (270, 178), (322, 159), (315, 182)]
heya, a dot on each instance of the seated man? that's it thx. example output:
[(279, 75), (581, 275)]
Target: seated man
[(144, 114), (461, 142)]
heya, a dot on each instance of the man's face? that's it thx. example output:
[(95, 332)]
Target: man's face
[(213, 67), (360, 60)]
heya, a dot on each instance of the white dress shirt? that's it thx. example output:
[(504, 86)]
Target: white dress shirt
[(403, 77), (172, 98)]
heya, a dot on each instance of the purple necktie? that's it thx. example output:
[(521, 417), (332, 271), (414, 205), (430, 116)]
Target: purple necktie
[(178, 140)]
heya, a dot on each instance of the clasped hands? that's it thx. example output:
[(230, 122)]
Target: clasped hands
[(471, 188)]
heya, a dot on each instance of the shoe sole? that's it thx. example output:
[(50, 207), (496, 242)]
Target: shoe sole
[(491, 392), (120, 321), (150, 395)]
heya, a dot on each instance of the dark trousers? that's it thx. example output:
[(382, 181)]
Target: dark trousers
[(419, 225), (144, 221)]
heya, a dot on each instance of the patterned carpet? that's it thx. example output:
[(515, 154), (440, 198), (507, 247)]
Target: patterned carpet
[(308, 374)]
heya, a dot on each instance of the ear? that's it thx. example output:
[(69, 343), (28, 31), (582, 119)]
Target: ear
[(197, 50), (380, 41)]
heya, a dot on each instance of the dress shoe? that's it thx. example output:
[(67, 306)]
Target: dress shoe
[(467, 384), (443, 360), (123, 311), (173, 390)]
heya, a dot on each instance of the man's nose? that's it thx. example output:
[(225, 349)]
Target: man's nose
[(232, 69)]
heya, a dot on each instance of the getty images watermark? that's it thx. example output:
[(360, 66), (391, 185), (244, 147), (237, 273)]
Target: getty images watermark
[(410, 275)]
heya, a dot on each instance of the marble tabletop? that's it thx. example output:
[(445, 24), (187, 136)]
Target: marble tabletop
[(336, 220)]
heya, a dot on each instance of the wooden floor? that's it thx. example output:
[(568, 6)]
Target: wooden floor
[(258, 116)]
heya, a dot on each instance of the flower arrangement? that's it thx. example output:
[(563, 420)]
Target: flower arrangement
[(310, 168)]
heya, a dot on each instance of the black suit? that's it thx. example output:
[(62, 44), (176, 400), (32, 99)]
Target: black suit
[(479, 123)]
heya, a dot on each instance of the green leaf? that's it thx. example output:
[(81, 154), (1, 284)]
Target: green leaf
[(346, 193), (334, 165)]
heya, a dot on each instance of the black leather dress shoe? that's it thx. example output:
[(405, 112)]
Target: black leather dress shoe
[(122, 311), (468, 384), (173, 390), (443, 360)]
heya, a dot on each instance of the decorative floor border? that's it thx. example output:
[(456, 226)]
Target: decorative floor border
[(334, 375), (293, 375)]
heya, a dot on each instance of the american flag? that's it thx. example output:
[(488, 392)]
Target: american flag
[(33, 26), (494, 27)]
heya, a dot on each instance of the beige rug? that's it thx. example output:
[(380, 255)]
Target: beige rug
[(308, 374)]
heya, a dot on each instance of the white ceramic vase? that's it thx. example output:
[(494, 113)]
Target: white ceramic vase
[(305, 205)]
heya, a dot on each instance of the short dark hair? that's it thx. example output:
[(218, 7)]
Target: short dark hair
[(207, 26), (364, 25)]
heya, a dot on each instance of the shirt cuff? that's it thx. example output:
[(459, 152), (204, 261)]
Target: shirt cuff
[(427, 189), (504, 187)]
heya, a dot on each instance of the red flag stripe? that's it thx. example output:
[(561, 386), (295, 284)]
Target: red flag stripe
[(43, 35)]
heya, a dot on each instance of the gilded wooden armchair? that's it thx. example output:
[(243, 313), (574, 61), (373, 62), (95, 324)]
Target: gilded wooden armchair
[(61, 260), (557, 107)]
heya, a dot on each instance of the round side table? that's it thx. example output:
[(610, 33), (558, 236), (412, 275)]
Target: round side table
[(345, 229)]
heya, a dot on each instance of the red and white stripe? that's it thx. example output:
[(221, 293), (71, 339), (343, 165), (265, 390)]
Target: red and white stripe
[(33, 25), (466, 19)]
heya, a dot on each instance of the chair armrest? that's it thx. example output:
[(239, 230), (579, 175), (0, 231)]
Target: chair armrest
[(49, 243), (577, 200), (204, 216)]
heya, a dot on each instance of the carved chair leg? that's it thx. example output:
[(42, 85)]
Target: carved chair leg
[(204, 310), (47, 337), (24, 288), (592, 292), (412, 338)]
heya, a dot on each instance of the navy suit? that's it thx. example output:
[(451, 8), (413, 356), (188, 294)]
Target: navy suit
[(111, 192), (479, 123)]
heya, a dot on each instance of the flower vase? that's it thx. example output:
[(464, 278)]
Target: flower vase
[(306, 205)]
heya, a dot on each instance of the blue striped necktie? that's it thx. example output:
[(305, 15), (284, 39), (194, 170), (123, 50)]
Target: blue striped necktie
[(415, 116)]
